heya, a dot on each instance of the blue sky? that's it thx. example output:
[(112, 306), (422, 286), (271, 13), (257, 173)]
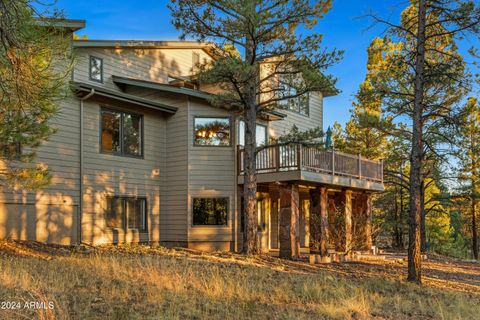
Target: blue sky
[(344, 27)]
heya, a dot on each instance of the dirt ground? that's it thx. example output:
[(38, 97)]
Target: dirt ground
[(437, 271)]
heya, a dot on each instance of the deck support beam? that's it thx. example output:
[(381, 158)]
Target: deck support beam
[(346, 205), (289, 222), (368, 221)]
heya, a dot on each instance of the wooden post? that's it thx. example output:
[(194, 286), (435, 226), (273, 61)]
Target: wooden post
[(368, 221), (348, 219), (315, 220), (299, 156), (360, 166), (333, 162), (323, 222), (289, 226), (277, 157)]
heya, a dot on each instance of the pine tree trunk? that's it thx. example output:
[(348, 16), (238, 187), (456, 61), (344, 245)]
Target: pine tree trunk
[(416, 155), (423, 231), (250, 173), (474, 231)]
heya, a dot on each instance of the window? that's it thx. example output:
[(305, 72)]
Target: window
[(261, 134), (210, 211), (121, 133), (195, 59), (212, 131), (96, 69), (298, 104), (11, 151), (126, 213)]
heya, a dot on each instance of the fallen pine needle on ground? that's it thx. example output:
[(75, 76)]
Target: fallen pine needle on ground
[(143, 282)]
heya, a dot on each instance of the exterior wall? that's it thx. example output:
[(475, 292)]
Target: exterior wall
[(211, 173), (172, 172), (114, 175), (145, 64), (314, 120), (51, 214)]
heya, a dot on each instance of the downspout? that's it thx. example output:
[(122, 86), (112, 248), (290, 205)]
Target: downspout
[(80, 203)]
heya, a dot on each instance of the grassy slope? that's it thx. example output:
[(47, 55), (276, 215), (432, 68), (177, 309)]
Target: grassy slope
[(167, 284)]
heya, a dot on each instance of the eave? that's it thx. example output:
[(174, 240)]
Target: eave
[(82, 89)]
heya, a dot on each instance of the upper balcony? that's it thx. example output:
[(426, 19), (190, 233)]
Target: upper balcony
[(312, 165)]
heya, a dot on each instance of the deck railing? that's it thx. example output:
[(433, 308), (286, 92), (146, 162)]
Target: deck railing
[(290, 157)]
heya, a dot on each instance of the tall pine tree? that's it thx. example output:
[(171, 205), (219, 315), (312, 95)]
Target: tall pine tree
[(278, 61)]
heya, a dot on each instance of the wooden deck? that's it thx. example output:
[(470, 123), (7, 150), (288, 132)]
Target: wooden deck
[(305, 163)]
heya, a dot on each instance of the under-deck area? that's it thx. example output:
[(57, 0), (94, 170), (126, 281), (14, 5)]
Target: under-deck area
[(313, 199)]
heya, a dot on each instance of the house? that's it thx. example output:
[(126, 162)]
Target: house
[(141, 156)]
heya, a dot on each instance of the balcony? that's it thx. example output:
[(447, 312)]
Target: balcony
[(296, 162)]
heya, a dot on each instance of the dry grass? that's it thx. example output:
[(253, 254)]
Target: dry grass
[(156, 283)]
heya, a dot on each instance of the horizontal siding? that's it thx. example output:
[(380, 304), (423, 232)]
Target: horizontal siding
[(211, 173), (106, 174), (146, 64), (314, 120)]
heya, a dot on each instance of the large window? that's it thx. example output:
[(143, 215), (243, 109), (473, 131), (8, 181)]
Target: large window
[(261, 134), (210, 211), (212, 131), (121, 133), (126, 213), (298, 104)]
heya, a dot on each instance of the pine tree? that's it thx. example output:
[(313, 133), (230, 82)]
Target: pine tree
[(425, 85), (274, 62), (468, 153), (35, 62)]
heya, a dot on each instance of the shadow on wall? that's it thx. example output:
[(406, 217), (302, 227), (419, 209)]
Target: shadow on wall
[(40, 217)]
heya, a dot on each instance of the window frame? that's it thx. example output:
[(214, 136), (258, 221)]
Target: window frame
[(124, 226), (230, 144), (226, 225), (142, 133), (257, 124), (91, 57)]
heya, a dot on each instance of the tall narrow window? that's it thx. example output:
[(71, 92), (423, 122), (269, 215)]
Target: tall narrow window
[(121, 132), (126, 213), (96, 69), (261, 134), (195, 60), (212, 131)]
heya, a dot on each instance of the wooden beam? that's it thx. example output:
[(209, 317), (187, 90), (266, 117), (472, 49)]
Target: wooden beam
[(289, 222), (315, 220), (348, 219), (323, 222), (368, 221)]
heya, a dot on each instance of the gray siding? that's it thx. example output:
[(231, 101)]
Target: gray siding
[(315, 119), (211, 173), (106, 174)]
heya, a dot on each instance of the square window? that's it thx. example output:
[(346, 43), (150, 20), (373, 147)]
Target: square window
[(212, 131), (121, 133), (210, 211), (126, 213), (96, 69)]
